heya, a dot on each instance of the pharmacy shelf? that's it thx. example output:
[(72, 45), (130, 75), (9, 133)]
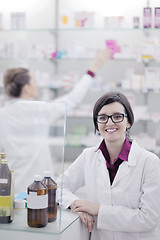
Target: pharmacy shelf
[(88, 59), (142, 119), (26, 30), (108, 29), (28, 59), (79, 29), (61, 59), (141, 113), (76, 144), (65, 59)]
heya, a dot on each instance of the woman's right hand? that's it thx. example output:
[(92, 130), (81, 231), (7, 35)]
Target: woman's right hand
[(86, 218)]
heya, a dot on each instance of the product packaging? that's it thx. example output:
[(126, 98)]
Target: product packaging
[(1, 27), (113, 46), (37, 203), (18, 20), (80, 19), (157, 18), (114, 21), (6, 192), (52, 187), (20, 206), (64, 18), (12, 195), (136, 22), (147, 17)]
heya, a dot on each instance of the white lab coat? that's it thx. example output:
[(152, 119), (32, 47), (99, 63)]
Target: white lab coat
[(130, 207), (24, 132)]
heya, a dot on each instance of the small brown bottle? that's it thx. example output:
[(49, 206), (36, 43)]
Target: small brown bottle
[(52, 204), (37, 203), (5, 191)]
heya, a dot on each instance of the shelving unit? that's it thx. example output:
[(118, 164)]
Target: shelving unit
[(147, 112), (91, 39), (34, 45)]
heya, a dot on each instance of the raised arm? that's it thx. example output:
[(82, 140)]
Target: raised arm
[(101, 58), (76, 95)]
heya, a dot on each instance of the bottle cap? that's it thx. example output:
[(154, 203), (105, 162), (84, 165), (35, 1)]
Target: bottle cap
[(47, 173), (3, 155), (37, 178), (20, 203), (3, 158)]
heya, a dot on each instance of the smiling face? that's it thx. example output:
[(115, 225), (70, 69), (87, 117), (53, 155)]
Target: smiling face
[(110, 131)]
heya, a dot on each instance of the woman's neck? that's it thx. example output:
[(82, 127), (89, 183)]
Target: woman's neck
[(24, 97), (114, 149)]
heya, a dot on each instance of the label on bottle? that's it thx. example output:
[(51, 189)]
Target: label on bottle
[(3, 180), (5, 206), (35, 201)]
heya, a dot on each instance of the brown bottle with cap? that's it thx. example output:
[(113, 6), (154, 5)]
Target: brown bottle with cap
[(37, 203), (5, 191), (52, 204)]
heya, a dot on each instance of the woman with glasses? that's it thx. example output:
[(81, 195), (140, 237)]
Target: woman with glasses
[(122, 180), (25, 125)]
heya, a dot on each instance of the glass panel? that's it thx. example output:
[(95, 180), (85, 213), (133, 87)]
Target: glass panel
[(33, 137), (53, 228)]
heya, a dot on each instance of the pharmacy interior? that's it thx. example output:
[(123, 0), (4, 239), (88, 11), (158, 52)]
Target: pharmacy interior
[(58, 40)]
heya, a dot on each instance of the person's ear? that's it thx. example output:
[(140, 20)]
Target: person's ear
[(128, 125)]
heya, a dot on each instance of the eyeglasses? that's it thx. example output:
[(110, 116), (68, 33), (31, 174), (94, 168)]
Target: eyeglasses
[(116, 118)]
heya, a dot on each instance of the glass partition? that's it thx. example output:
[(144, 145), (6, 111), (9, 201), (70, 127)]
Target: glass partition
[(33, 138)]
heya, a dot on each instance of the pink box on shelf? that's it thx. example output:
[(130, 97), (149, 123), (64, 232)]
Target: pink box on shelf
[(113, 46)]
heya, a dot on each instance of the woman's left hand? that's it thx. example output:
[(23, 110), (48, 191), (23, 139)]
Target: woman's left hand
[(85, 206)]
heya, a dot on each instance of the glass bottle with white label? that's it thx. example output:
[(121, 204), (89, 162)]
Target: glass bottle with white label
[(37, 203), (52, 204), (5, 191)]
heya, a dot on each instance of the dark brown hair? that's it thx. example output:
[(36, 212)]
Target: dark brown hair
[(112, 97), (14, 80)]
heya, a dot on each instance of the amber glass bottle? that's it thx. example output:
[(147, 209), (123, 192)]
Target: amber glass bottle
[(52, 204), (5, 191), (37, 203)]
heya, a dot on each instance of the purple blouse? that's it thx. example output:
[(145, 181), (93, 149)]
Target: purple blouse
[(123, 156)]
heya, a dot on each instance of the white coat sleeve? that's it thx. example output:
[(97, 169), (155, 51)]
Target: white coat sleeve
[(73, 98), (144, 218), (68, 183)]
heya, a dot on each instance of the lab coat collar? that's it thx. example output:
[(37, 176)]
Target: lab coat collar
[(124, 168), (15, 100), (134, 154)]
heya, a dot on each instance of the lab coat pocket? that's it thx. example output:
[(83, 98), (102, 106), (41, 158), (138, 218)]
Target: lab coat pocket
[(133, 199)]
